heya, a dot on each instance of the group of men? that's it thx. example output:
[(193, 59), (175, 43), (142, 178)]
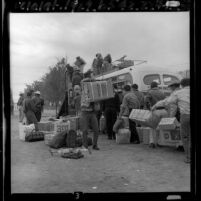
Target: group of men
[(117, 108), (177, 104), (30, 107)]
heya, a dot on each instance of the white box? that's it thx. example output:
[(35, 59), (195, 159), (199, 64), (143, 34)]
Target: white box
[(170, 137), (168, 123), (25, 129), (123, 136), (147, 118), (97, 90)]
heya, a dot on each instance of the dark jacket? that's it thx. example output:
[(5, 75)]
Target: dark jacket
[(29, 110), (140, 97), (76, 79), (38, 103), (153, 96), (113, 103)]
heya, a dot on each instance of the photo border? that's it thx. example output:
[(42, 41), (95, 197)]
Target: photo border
[(55, 6)]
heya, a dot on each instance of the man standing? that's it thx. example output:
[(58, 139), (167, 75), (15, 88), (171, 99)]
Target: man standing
[(77, 76), (88, 117), (153, 95), (80, 63), (20, 106), (182, 99), (77, 99), (172, 108), (139, 95), (38, 103), (111, 107), (130, 101), (97, 64), (29, 110)]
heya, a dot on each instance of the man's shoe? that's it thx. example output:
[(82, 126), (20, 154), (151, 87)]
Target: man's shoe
[(96, 148)]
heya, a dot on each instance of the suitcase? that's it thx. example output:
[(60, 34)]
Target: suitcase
[(34, 136)]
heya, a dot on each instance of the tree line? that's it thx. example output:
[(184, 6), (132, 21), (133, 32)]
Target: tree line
[(52, 84)]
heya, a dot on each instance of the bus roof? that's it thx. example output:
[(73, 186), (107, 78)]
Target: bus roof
[(137, 68)]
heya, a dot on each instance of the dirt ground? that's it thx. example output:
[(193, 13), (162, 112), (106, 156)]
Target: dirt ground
[(115, 168)]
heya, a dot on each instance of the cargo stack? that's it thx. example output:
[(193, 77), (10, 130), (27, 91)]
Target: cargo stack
[(169, 132), (97, 91)]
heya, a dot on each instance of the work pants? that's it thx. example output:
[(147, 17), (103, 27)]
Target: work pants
[(89, 119), (134, 133), (111, 117), (31, 119), (186, 134), (38, 116), (21, 114)]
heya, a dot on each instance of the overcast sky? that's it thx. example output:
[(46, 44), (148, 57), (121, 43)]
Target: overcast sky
[(36, 40)]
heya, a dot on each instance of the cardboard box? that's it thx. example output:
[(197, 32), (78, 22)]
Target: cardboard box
[(123, 136), (97, 91), (140, 133), (147, 118), (170, 137), (145, 134), (46, 126), (24, 130), (61, 126), (168, 123), (48, 137), (74, 121)]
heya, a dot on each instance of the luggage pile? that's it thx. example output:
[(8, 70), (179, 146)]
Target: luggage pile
[(166, 130)]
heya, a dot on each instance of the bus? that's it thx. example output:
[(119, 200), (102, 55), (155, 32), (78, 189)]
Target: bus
[(142, 75)]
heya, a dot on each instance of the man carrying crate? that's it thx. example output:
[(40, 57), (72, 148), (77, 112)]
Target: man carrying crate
[(182, 99), (88, 117)]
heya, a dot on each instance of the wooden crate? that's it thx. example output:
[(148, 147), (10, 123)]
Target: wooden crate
[(97, 91)]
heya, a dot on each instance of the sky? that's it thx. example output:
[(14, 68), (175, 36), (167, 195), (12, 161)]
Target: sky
[(38, 39)]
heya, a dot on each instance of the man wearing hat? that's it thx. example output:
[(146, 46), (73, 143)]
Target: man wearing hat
[(29, 110), (153, 95), (181, 98), (38, 103), (77, 76), (172, 108), (20, 106)]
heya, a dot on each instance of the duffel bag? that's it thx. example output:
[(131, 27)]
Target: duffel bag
[(34, 136), (72, 155), (58, 140), (79, 141)]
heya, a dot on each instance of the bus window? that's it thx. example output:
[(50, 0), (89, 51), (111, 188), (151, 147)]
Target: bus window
[(148, 79), (167, 79)]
